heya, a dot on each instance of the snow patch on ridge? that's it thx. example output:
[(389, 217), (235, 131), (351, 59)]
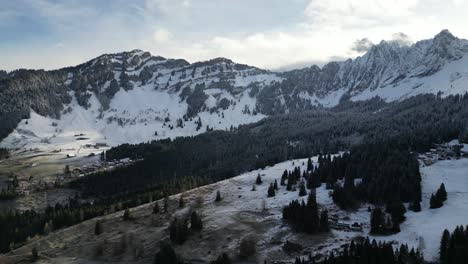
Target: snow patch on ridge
[(450, 80)]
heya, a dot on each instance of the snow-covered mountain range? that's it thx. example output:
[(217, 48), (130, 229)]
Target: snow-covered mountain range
[(134, 96)]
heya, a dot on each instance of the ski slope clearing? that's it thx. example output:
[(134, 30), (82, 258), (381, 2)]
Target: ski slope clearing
[(424, 229)]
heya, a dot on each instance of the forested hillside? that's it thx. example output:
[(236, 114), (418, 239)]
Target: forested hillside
[(411, 125)]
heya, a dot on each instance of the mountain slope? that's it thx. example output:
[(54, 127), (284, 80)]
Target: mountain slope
[(134, 96)]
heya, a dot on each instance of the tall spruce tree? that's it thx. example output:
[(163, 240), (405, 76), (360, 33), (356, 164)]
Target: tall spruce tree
[(275, 185), (302, 189), (98, 228), (377, 221), (324, 221), (310, 167), (166, 255), (271, 190), (441, 193), (218, 196), (258, 181), (435, 202), (181, 201), (444, 246), (195, 221), (166, 204)]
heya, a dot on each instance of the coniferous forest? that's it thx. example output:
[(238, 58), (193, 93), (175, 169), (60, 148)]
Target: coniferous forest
[(381, 153), (371, 252), (399, 129), (454, 246)]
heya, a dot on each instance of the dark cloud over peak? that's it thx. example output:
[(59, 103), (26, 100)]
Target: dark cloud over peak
[(362, 45)]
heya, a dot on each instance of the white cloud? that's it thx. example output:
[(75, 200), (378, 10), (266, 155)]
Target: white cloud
[(329, 31), (324, 30), (186, 3), (358, 13), (161, 35)]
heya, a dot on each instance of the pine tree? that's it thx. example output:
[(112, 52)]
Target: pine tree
[(181, 202), (178, 231), (195, 221), (275, 185), (377, 221), (415, 206), (302, 189), (324, 221), (156, 208), (435, 202), (271, 191), (284, 177), (166, 204), (34, 254), (397, 210), (258, 181), (166, 255), (98, 228), (444, 246), (312, 199), (441, 193), (289, 186), (218, 196), (254, 188), (310, 167)]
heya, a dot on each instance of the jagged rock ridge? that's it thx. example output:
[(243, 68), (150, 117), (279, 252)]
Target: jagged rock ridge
[(135, 96)]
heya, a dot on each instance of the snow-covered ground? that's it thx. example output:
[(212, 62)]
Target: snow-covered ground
[(420, 230), (134, 116), (239, 199), (424, 229), (450, 80)]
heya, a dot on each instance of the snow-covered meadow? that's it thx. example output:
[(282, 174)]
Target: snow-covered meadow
[(421, 230), (424, 229)]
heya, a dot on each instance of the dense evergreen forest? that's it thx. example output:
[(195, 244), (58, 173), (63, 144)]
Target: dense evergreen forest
[(16, 227), (373, 173), (454, 246), (385, 174), (367, 252), (305, 216), (411, 125)]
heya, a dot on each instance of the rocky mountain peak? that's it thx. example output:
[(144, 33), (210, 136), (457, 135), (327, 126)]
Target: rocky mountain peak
[(444, 35), (135, 88)]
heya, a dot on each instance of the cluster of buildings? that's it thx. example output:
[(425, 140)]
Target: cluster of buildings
[(337, 224), (444, 152), (101, 166)]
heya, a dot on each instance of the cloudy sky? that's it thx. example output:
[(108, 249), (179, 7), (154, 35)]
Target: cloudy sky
[(273, 34)]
